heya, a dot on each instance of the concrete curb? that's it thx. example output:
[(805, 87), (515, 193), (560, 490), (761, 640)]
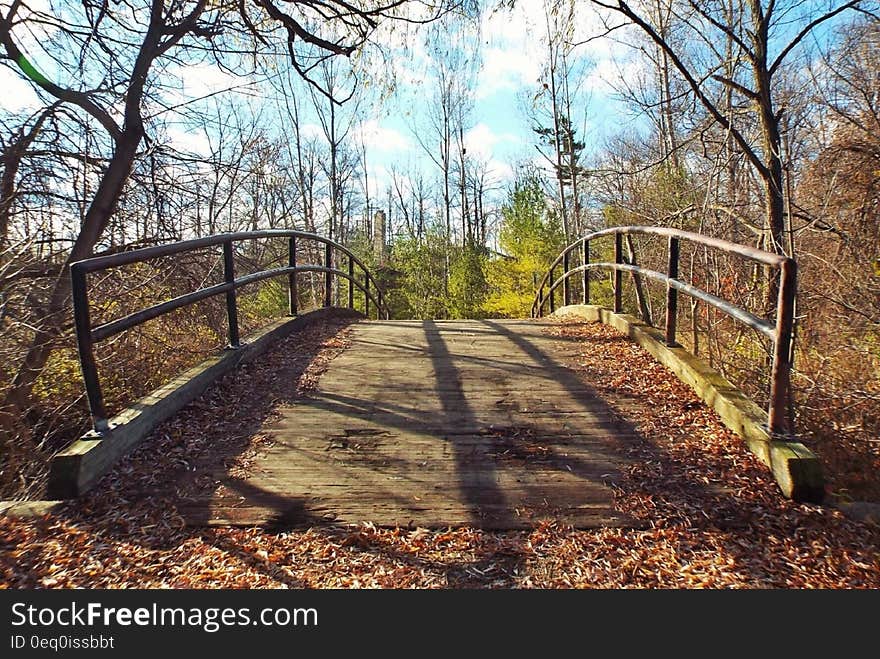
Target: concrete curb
[(796, 469), (78, 467), (28, 509)]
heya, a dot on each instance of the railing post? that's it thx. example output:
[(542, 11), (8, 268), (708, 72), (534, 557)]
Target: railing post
[(586, 253), (231, 298), (292, 291), (86, 346), (552, 290), (780, 376), (366, 293), (536, 309), (350, 281), (328, 277), (672, 293), (566, 291), (618, 274)]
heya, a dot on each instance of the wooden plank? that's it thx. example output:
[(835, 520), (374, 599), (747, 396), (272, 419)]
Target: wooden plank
[(434, 424)]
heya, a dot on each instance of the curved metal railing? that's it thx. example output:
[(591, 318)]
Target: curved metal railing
[(778, 330), (87, 336)]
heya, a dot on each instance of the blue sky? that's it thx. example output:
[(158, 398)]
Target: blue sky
[(512, 68), (499, 132)]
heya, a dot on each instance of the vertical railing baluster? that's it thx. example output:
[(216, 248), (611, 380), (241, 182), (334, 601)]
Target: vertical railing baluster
[(534, 310), (672, 293), (366, 293), (379, 310), (552, 290), (292, 291), (618, 274), (780, 376), (586, 255), (83, 324), (231, 297), (328, 277), (350, 281), (566, 290)]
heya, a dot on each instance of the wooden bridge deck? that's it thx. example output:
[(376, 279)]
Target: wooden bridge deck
[(436, 424)]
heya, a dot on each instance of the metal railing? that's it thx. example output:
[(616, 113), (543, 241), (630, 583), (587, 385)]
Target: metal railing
[(87, 336), (779, 331)]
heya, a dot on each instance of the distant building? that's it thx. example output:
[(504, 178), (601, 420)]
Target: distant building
[(380, 233)]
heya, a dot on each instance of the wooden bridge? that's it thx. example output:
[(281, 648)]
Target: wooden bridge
[(435, 423)]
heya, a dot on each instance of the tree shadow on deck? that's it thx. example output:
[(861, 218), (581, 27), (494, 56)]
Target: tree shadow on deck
[(695, 510), (416, 448)]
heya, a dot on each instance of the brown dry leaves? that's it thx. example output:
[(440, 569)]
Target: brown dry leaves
[(712, 513)]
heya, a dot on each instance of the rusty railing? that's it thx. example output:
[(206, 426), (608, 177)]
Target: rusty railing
[(778, 331), (87, 336)]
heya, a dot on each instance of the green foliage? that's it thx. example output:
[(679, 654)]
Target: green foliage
[(655, 199), (267, 301), (468, 286), (422, 263), (570, 147), (531, 238), (60, 378)]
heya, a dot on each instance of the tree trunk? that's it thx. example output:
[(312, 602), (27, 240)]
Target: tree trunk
[(771, 175), (97, 218), (103, 204)]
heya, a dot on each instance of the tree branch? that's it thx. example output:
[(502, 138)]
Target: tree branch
[(809, 28), (724, 28), (80, 99), (742, 89), (623, 8)]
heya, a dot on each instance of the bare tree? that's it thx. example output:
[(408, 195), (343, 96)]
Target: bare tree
[(758, 30), (165, 30), (112, 72)]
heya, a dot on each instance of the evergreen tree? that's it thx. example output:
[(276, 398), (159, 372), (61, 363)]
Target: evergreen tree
[(530, 237)]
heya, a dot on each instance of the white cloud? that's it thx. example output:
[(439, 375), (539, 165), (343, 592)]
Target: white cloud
[(311, 131), (610, 75), (481, 141), (18, 95), (514, 51), (500, 171), (517, 25), (379, 178), (382, 138), (189, 141), (506, 69), (203, 79)]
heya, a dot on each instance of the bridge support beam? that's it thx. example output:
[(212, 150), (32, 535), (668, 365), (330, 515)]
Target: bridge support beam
[(367, 298), (231, 297), (780, 374), (617, 275), (672, 293), (566, 285), (350, 283), (586, 259)]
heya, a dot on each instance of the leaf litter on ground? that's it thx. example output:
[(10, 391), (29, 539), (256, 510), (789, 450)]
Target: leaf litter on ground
[(712, 516)]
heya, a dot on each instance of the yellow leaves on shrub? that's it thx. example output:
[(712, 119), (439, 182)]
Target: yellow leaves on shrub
[(61, 379)]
